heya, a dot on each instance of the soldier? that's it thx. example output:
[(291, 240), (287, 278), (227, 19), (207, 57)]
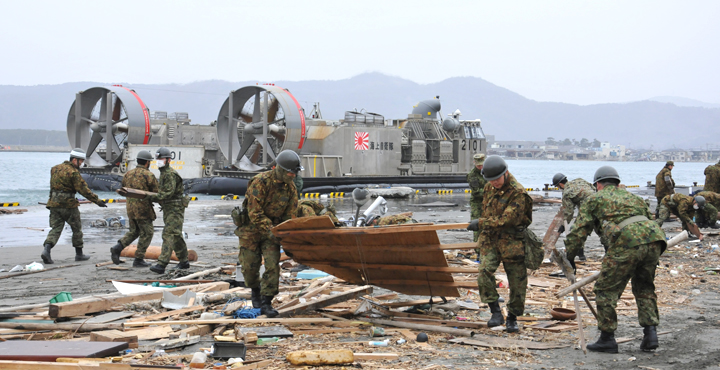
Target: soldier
[(574, 195), (684, 207), (477, 186), (398, 219), (307, 208), (635, 247), (173, 202), (271, 199), (140, 211), (712, 178), (664, 184), (507, 211), (65, 181), (713, 199)]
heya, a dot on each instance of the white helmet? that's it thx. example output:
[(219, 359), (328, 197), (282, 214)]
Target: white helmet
[(77, 153)]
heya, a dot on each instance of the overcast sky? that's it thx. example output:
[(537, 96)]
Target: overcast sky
[(582, 52)]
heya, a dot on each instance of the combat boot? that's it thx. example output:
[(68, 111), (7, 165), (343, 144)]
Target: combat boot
[(267, 308), (46, 254), (511, 326), (115, 251), (650, 339), (184, 265), (157, 268), (606, 343), (497, 317), (256, 298), (581, 255), (79, 256), (139, 262)]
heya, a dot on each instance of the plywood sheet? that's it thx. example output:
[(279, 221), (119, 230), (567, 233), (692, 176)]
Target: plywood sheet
[(51, 350), (367, 255)]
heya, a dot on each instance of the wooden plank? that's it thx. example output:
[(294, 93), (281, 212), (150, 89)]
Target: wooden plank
[(497, 342), (115, 336), (286, 321), (329, 331), (156, 332), (462, 270), (104, 318), (552, 235), (51, 350), (324, 302), (81, 328), (257, 365), (98, 304), (163, 315)]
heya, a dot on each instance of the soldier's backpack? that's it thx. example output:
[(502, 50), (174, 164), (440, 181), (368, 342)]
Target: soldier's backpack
[(534, 251)]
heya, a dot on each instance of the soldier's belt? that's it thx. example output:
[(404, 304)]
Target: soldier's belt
[(631, 220), (67, 194)]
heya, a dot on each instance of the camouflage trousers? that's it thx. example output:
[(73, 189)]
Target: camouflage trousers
[(618, 267), (173, 241), (475, 213), (251, 260), (517, 279), (665, 209), (139, 228), (58, 218)]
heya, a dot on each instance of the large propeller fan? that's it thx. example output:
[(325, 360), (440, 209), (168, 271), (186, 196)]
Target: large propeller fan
[(257, 122), (103, 119)]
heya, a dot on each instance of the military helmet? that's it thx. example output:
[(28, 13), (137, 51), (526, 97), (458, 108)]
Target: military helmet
[(479, 159), (77, 153), (163, 153), (145, 155), (700, 200), (494, 168), (669, 163), (289, 161), (558, 178), (604, 173)]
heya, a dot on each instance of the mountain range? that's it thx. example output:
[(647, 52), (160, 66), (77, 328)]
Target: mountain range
[(660, 122)]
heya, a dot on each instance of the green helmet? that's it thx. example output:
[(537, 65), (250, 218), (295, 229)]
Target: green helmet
[(163, 153), (604, 173), (494, 168), (289, 161), (145, 155), (700, 200), (558, 178)]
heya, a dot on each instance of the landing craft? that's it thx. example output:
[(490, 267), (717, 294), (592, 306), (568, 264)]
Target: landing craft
[(255, 123)]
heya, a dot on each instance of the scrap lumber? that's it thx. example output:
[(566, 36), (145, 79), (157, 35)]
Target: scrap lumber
[(321, 358), (433, 328), (497, 342), (114, 336), (199, 274), (15, 274), (97, 304), (160, 281), (155, 332), (552, 235), (153, 252), (163, 315), (256, 365), (52, 349), (81, 328), (286, 321), (324, 302)]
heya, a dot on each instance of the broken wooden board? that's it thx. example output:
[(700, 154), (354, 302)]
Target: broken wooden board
[(268, 331), (324, 302), (154, 332), (552, 235), (554, 326), (51, 350), (404, 258), (497, 342), (114, 336), (104, 318)]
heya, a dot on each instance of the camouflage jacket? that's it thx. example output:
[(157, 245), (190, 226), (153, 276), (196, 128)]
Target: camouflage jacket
[(661, 183), (574, 194), (298, 181), (609, 207), (171, 189), (506, 212), (710, 197), (477, 185), (712, 178), (65, 181), (307, 208), (682, 206), (398, 219), (271, 201), (142, 179)]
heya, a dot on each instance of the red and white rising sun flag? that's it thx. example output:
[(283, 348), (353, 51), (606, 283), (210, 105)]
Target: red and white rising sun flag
[(362, 139)]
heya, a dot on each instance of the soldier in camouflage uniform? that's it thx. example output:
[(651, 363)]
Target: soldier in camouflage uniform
[(271, 199), (65, 181), (684, 207), (636, 243), (307, 208), (507, 211), (712, 178), (574, 195), (140, 211), (664, 184), (477, 187), (712, 199), (398, 219), (173, 202)]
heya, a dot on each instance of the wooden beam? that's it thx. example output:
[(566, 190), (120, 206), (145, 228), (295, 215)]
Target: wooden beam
[(324, 302), (433, 328), (286, 321), (77, 308), (163, 315), (378, 266), (82, 328)]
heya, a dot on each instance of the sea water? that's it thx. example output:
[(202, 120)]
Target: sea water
[(25, 176)]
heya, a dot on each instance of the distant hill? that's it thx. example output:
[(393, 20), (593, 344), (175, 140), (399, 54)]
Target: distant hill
[(505, 114), (684, 102)]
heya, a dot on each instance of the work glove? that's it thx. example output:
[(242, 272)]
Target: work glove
[(474, 225), (561, 229), (101, 203)]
